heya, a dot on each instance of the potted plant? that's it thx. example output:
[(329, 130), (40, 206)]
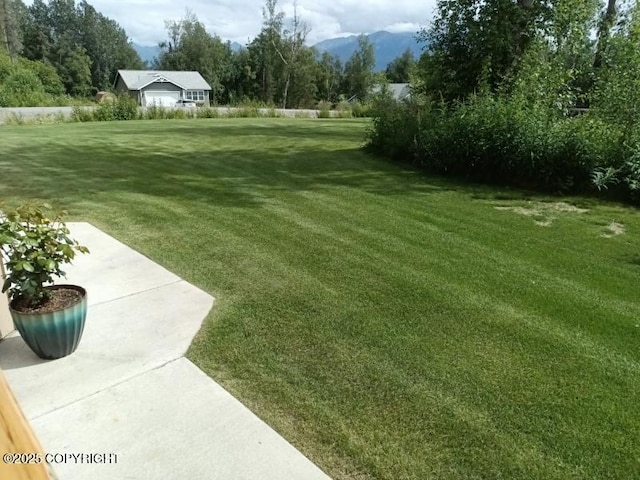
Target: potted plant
[(34, 244)]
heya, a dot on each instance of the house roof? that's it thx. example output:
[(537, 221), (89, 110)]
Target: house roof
[(138, 79), (399, 91)]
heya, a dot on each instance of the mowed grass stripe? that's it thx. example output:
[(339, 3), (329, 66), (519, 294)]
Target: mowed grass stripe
[(463, 251), (389, 324)]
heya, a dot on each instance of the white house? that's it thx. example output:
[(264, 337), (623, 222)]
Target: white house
[(163, 88)]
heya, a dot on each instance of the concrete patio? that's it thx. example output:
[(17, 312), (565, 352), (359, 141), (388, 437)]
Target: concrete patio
[(129, 391)]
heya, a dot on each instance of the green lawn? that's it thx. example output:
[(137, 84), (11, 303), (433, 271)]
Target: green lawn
[(388, 324)]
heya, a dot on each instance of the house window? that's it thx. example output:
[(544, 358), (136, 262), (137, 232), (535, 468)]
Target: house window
[(195, 95)]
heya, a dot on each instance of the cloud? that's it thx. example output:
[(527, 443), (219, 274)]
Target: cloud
[(402, 27), (241, 20)]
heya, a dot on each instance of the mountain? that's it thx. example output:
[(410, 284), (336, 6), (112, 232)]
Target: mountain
[(387, 46), (148, 54), (235, 46)]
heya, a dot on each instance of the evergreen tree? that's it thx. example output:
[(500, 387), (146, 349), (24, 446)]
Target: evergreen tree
[(85, 47)]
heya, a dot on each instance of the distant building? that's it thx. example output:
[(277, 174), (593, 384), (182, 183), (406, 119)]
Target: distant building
[(399, 91), (163, 88)]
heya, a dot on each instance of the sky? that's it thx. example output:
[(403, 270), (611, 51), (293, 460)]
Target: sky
[(240, 20)]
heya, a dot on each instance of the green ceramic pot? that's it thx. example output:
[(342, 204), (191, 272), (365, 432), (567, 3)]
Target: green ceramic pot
[(56, 334)]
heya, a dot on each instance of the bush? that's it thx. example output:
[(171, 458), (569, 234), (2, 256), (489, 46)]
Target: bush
[(154, 113), (499, 139), (247, 102), (29, 83), (81, 114), (124, 108), (362, 110), (208, 112), (47, 75), (104, 113), (343, 105), (395, 128), (15, 119), (303, 114), (244, 112), (268, 113), (22, 88)]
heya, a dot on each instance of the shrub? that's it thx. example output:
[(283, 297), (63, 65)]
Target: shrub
[(395, 128), (59, 117), (302, 114), (343, 105), (81, 114), (268, 113), (124, 108), (251, 103), (208, 112), (22, 88), (28, 83), (6, 66), (47, 75), (154, 113), (498, 139), (15, 119), (362, 110), (104, 113), (177, 113), (244, 112)]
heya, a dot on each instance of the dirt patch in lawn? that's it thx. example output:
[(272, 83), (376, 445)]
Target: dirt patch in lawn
[(544, 223), (563, 207), (544, 213), (527, 212), (614, 229)]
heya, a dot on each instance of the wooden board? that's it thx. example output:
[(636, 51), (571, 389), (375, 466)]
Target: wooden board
[(16, 436)]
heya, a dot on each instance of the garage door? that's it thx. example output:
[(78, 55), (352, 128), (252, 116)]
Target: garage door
[(161, 99)]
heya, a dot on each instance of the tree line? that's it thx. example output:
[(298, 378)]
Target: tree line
[(277, 67), (538, 93), (54, 49)]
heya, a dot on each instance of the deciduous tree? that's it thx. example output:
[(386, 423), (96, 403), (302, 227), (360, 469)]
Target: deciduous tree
[(475, 41), (401, 68), (10, 33), (264, 49), (191, 47), (358, 71), (328, 77)]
